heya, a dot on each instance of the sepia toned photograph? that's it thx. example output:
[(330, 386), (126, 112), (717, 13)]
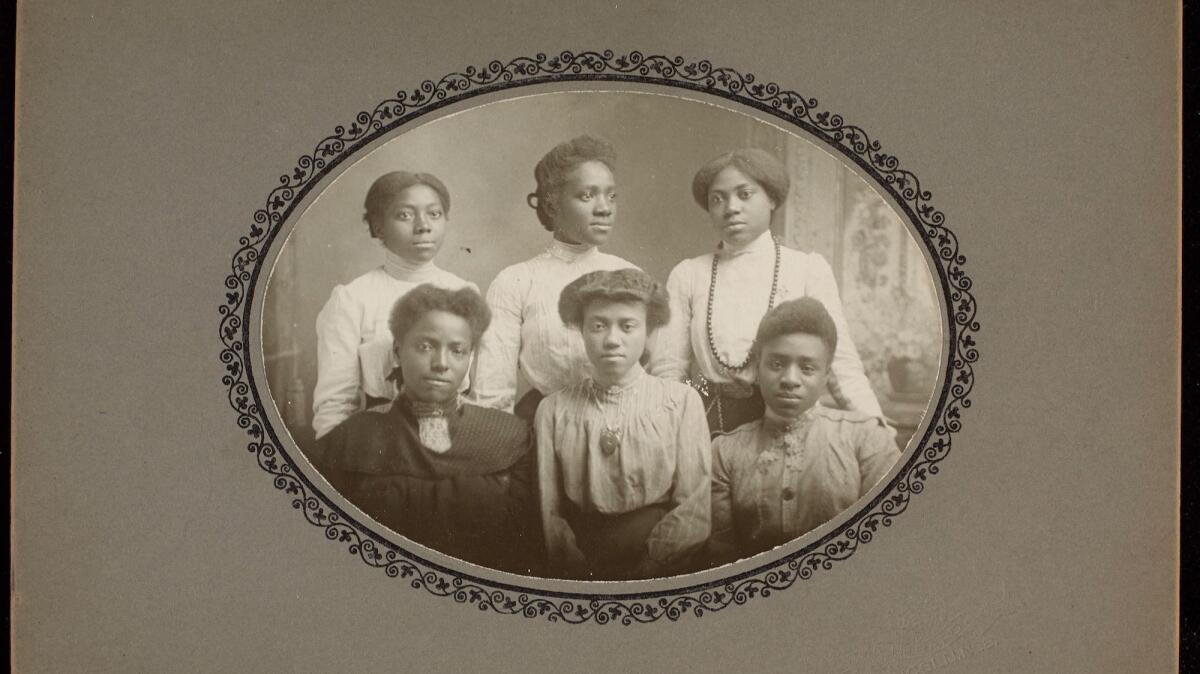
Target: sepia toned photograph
[(601, 335)]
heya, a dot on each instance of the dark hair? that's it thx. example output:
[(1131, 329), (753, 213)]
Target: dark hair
[(803, 315), (551, 171), (758, 165), (621, 285), (464, 302), (389, 186)]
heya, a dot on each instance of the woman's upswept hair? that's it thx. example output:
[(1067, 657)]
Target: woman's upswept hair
[(803, 315), (464, 302), (551, 171), (759, 165), (621, 285), (388, 186)]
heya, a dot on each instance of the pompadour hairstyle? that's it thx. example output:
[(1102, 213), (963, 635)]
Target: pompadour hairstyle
[(803, 315), (621, 285), (551, 171), (464, 302)]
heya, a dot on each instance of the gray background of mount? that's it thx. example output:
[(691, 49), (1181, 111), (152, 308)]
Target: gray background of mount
[(145, 538)]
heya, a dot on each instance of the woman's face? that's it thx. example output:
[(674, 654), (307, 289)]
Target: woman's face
[(614, 336), (792, 370), (585, 207), (739, 208), (414, 224), (434, 356)]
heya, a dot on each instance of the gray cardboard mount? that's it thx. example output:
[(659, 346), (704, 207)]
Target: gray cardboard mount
[(146, 538)]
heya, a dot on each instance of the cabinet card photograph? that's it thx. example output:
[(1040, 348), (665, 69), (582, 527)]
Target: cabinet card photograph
[(601, 334)]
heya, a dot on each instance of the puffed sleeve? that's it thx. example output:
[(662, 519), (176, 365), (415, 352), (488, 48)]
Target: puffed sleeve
[(562, 553), (877, 453), (339, 372), (671, 355), (722, 545), (495, 380), (849, 383), (685, 528)]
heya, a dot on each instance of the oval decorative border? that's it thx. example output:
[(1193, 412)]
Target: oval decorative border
[(580, 607)]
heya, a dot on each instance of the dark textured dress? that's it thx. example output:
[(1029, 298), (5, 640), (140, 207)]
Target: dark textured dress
[(475, 501)]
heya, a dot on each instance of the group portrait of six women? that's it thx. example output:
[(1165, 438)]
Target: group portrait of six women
[(667, 427)]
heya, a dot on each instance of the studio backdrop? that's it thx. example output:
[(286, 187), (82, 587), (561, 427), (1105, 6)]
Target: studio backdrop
[(485, 156)]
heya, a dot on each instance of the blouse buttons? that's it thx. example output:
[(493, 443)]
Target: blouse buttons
[(788, 493)]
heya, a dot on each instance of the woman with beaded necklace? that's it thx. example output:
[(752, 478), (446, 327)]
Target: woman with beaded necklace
[(576, 201), (718, 299)]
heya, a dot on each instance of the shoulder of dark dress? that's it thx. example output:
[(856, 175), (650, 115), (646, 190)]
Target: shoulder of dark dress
[(497, 428), (362, 442)]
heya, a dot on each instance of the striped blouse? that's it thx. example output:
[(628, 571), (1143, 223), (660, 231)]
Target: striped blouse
[(663, 458), (526, 331)]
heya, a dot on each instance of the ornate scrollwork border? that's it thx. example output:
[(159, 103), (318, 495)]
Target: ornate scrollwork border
[(850, 141)]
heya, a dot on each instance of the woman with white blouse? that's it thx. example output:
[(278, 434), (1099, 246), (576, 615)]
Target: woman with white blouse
[(407, 213), (718, 299), (576, 201)]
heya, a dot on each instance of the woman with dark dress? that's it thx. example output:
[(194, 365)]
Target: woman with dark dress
[(451, 476)]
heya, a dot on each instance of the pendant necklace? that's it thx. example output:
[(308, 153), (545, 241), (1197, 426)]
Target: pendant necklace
[(708, 321), (433, 427), (610, 433)]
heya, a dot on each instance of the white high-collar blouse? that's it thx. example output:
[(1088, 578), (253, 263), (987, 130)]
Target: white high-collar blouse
[(743, 289), (354, 342), (526, 330)]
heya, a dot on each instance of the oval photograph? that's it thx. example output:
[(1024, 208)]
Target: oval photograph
[(602, 335)]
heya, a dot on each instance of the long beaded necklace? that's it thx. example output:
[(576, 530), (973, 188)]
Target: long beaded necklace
[(610, 434), (708, 321)]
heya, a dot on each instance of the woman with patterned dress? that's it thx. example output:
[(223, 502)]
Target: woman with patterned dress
[(407, 213), (576, 201), (623, 457), (717, 299), (787, 473), (451, 476)]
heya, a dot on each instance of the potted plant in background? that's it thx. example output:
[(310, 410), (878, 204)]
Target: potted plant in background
[(911, 361), (897, 343)]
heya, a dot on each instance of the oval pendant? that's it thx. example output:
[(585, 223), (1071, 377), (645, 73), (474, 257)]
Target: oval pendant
[(609, 442)]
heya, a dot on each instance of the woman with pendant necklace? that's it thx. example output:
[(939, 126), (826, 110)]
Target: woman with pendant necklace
[(623, 457), (576, 200), (718, 299)]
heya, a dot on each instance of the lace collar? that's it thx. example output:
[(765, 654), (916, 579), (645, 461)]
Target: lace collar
[(776, 429), (422, 410)]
